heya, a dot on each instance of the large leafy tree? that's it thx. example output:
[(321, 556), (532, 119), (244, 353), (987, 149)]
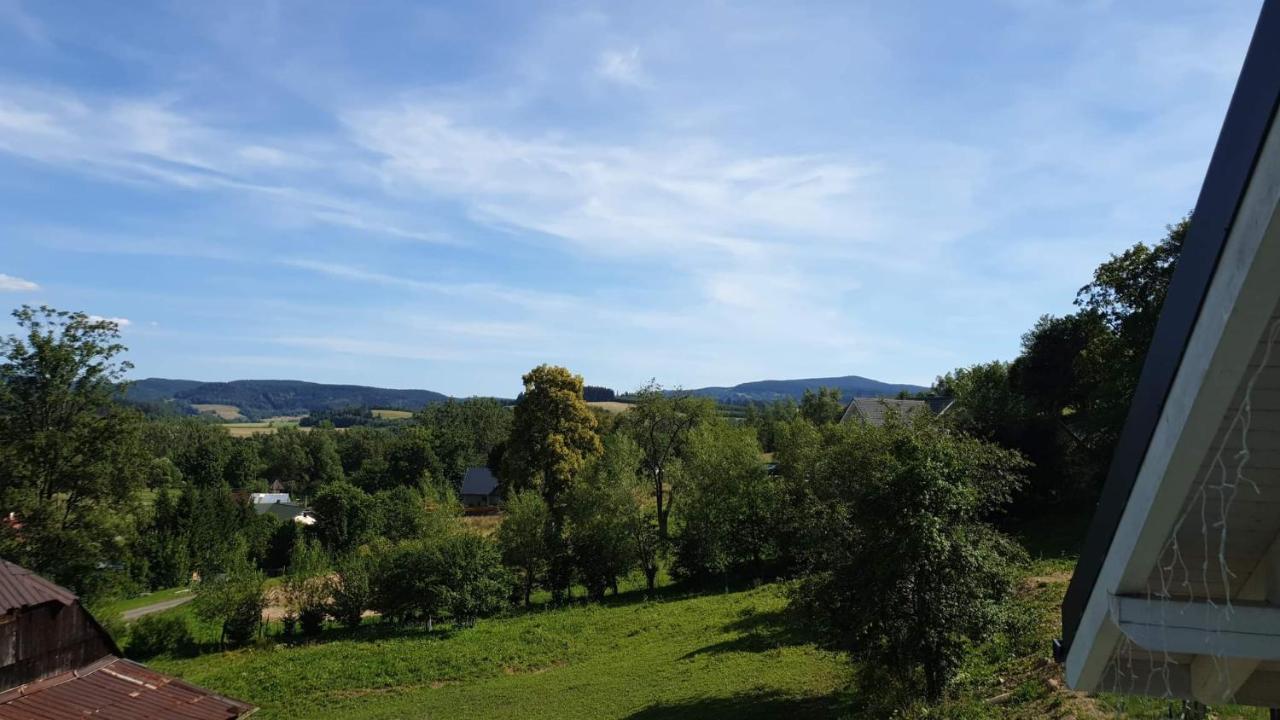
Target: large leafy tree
[(553, 436), (1064, 400), (660, 422), (902, 568), (70, 455), (1126, 296), (345, 517)]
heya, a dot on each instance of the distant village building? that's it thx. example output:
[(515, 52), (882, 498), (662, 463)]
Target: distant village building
[(873, 410), (268, 498), (57, 663), (480, 488), (281, 506)]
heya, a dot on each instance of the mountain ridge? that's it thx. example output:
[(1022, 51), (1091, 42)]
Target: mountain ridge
[(267, 398), (850, 386)]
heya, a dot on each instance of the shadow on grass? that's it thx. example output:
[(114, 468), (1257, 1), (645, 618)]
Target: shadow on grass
[(1058, 535), (747, 706), (677, 590), (760, 632)]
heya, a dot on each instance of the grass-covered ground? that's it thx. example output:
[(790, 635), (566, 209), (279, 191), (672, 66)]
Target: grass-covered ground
[(730, 655), (680, 655)]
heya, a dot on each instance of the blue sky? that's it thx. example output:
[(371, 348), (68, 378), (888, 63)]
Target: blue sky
[(443, 196)]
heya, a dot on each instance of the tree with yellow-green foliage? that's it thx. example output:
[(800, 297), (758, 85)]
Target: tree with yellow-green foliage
[(553, 436)]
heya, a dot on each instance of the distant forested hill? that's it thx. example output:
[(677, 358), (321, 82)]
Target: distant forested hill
[(159, 389), (850, 386), (258, 399), (266, 398)]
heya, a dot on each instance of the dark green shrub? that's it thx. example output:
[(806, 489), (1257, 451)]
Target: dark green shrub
[(405, 585), (159, 634), (235, 600), (907, 573), (350, 589), (306, 585), (469, 569), (459, 575)]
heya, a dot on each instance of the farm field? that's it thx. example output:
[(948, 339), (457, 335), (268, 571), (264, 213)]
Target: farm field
[(245, 429), (224, 412), (392, 414), (610, 405)]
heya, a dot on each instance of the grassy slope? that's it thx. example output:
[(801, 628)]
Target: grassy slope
[(722, 655), (730, 655)]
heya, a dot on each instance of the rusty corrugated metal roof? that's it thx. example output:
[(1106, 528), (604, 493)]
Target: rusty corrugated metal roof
[(117, 688), (20, 588)]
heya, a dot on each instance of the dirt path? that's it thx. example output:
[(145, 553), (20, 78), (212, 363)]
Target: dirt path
[(136, 613)]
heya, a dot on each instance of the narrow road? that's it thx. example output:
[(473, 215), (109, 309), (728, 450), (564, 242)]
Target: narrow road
[(136, 613)]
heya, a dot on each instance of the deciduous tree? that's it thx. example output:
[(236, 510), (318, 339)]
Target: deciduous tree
[(522, 538), (903, 570), (821, 407), (553, 436), (660, 422), (70, 455)]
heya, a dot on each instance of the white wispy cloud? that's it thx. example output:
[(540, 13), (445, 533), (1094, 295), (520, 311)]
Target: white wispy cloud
[(9, 283), (149, 141), (118, 321), (622, 66), (493, 292)]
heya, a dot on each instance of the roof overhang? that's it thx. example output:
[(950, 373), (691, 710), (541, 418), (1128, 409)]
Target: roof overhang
[(1180, 575)]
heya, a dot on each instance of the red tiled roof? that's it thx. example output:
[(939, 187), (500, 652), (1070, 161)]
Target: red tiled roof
[(21, 588), (116, 689)]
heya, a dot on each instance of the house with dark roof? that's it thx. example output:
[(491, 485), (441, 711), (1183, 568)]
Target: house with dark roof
[(873, 410), (1177, 590), (286, 510), (57, 663), (480, 488)]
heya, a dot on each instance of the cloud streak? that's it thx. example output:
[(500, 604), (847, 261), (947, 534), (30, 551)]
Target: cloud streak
[(10, 283)]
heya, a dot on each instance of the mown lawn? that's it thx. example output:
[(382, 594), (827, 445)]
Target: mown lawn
[(730, 655)]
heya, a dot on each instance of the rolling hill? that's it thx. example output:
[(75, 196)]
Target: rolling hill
[(850, 386), (257, 399), (268, 398)]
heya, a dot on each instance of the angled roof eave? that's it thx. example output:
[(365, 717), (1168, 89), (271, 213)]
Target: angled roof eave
[(1248, 121)]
